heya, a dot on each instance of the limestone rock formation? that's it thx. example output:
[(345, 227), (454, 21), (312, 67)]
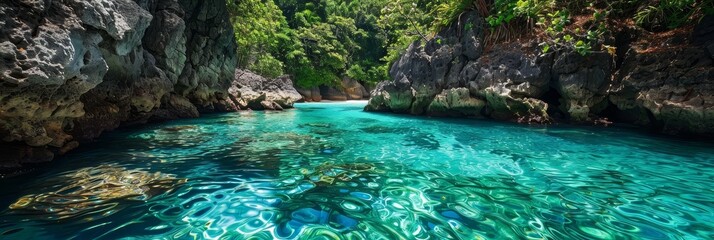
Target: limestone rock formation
[(310, 94), (71, 69), (451, 75), (668, 88), (671, 89), (348, 89), (252, 91)]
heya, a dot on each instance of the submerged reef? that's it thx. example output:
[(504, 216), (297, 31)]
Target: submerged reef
[(95, 191)]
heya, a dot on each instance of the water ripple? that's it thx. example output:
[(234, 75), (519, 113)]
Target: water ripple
[(300, 174)]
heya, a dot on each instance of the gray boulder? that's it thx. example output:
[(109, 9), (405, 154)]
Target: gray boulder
[(310, 94), (252, 91)]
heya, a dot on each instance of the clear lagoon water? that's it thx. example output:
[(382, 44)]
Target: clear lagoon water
[(332, 171)]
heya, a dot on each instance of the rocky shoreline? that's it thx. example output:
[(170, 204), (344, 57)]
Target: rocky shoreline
[(73, 69), (666, 85), (254, 92), (347, 90)]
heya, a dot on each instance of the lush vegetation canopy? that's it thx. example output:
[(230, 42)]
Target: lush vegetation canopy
[(321, 41)]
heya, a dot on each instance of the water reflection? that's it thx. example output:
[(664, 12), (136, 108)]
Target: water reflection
[(334, 172)]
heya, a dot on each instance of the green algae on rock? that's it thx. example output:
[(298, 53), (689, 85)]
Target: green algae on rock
[(94, 193), (664, 83)]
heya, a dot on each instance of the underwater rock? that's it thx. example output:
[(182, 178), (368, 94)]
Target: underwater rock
[(316, 125), (302, 144), (276, 141), (328, 173), (178, 128), (95, 191), (377, 129), (252, 91)]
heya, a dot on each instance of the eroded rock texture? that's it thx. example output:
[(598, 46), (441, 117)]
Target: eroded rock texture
[(310, 94), (668, 88), (252, 91), (671, 89), (348, 89), (71, 69)]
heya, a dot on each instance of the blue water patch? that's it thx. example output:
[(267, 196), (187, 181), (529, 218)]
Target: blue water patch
[(330, 170)]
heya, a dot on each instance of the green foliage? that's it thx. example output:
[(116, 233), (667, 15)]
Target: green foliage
[(553, 18), (369, 74), (268, 66), (405, 21), (322, 41), (505, 11), (657, 15), (356, 72), (312, 77), (447, 11), (261, 33), (314, 40)]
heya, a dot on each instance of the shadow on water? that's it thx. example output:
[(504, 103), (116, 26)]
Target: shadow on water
[(630, 135), (333, 170)]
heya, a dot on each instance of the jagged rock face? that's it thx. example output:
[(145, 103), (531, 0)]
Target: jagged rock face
[(511, 82), (456, 102), (583, 83), (72, 69), (669, 89), (450, 75), (252, 91), (310, 94), (211, 59), (348, 89)]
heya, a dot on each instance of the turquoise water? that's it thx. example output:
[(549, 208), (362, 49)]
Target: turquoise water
[(329, 171)]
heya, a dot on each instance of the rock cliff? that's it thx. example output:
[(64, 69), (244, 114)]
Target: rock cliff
[(71, 69), (348, 89), (662, 84), (252, 91)]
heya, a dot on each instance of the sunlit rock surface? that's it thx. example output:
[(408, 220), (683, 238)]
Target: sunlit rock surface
[(310, 94), (252, 91), (70, 70), (664, 84), (347, 89)]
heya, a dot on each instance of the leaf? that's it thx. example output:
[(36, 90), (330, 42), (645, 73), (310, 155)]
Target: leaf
[(568, 38)]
